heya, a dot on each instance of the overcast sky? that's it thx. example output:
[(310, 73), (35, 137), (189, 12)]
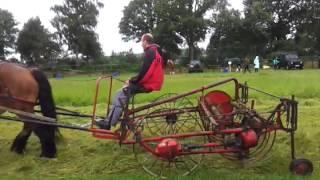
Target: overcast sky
[(107, 28)]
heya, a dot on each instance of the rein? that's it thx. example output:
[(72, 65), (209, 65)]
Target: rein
[(16, 101)]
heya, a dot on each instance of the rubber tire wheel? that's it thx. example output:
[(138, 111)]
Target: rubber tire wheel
[(301, 167)]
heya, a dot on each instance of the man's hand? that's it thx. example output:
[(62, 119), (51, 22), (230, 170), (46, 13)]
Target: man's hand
[(126, 84)]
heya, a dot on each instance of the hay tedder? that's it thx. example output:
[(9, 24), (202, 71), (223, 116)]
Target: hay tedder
[(171, 135)]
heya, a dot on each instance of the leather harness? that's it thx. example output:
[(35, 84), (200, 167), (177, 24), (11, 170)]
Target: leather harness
[(7, 99)]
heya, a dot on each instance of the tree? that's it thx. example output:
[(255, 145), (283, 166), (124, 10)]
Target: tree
[(8, 32), (256, 26), (291, 20), (35, 43), (236, 36), (146, 16), (281, 24), (167, 38), (139, 17), (192, 24), (307, 24), (227, 38), (172, 22), (294, 25), (75, 22), (267, 26), (282, 18)]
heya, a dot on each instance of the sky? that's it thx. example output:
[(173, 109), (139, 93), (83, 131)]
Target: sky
[(108, 20)]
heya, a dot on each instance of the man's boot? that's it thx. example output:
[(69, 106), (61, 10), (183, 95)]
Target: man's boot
[(103, 124)]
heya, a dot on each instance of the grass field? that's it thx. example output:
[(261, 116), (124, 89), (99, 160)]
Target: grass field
[(79, 91), (83, 157)]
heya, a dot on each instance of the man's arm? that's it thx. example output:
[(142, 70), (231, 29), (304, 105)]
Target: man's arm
[(147, 61)]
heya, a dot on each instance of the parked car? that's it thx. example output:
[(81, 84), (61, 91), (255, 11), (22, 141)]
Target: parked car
[(195, 66), (289, 61)]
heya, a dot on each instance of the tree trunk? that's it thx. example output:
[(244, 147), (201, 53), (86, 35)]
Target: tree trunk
[(191, 52), (77, 56), (2, 56)]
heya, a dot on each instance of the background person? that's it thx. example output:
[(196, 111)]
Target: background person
[(246, 65), (256, 63), (171, 66), (230, 65), (275, 63)]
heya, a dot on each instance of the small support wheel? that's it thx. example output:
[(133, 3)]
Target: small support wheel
[(145, 151), (301, 167), (163, 168)]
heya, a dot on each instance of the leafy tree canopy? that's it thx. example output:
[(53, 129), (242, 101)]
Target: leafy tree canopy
[(8, 32), (35, 43), (75, 22)]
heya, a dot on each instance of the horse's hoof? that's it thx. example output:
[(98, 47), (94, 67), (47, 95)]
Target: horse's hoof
[(48, 155), (48, 158), (20, 152)]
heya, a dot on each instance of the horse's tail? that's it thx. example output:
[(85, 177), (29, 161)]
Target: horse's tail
[(45, 96), (46, 101)]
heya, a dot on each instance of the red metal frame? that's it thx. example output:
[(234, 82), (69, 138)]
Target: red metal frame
[(112, 135), (207, 148)]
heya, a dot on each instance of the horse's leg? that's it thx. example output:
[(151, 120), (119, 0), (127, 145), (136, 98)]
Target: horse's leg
[(46, 135), (19, 144)]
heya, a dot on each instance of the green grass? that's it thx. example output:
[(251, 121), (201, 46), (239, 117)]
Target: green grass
[(79, 91), (83, 157)]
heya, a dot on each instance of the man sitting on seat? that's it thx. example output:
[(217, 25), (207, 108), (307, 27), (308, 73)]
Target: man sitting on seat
[(150, 78)]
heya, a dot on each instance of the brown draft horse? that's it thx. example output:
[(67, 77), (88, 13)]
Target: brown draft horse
[(21, 89)]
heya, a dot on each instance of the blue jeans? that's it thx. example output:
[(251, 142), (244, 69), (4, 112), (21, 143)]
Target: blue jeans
[(121, 100)]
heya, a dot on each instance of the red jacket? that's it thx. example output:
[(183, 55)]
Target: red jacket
[(151, 75)]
